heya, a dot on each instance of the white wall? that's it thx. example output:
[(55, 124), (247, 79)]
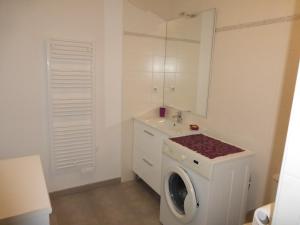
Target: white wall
[(232, 12), (182, 58), (144, 52), (188, 63), (252, 78), (24, 27), (250, 68), (288, 199)]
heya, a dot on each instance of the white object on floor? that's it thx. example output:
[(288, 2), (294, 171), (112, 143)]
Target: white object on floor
[(24, 197), (263, 215), (71, 104), (198, 190)]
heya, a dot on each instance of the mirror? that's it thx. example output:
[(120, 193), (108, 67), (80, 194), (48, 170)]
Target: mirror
[(189, 45)]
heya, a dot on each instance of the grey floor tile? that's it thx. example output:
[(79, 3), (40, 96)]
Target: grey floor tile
[(131, 203)]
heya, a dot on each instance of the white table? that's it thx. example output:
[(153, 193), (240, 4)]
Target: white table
[(24, 198)]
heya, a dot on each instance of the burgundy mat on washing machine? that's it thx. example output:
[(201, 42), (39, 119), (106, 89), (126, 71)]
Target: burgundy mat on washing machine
[(206, 146)]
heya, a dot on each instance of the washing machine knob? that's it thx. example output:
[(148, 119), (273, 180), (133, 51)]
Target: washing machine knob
[(182, 157)]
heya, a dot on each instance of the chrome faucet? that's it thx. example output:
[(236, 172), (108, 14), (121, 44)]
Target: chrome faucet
[(178, 117)]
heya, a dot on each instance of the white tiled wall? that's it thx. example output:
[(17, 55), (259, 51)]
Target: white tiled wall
[(181, 74), (185, 28), (143, 67), (252, 80), (182, 57), (142, 74), (188, 59)]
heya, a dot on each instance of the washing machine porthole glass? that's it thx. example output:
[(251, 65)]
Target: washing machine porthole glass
[(178, 192)]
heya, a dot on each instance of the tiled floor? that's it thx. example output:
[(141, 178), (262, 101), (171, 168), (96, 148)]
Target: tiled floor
[(131, 203)]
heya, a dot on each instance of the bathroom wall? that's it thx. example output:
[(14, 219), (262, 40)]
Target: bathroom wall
[(24, 28), (292, 59), (143, 66), (182, 63), (253, 73), (288, 198), (254, 68)]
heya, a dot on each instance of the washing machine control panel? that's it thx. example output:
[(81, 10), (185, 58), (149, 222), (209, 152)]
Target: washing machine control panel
[(183, 157), (190, 159)]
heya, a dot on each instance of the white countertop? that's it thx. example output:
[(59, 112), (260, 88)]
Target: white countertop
[(167, 126), (22, 187)]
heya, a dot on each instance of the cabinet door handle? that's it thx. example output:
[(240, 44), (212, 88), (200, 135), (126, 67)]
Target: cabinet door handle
[(147, 132), (147, 162)]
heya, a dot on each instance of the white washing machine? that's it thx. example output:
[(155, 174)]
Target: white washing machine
[(197, 190)]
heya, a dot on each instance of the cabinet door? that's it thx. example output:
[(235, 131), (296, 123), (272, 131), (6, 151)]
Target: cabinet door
[(147, 154), (148, 171)]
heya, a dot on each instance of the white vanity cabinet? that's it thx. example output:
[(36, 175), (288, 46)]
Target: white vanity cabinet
[(147, 154)]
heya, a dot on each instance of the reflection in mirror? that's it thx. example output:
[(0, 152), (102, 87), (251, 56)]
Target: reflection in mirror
[(189, 47)]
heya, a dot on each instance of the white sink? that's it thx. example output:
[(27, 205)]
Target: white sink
[(170, 127)]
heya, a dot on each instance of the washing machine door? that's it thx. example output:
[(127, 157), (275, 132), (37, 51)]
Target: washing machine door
[(180, 194)]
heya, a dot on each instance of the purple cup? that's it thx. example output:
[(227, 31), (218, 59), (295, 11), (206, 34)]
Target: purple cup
[(162, 111)]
